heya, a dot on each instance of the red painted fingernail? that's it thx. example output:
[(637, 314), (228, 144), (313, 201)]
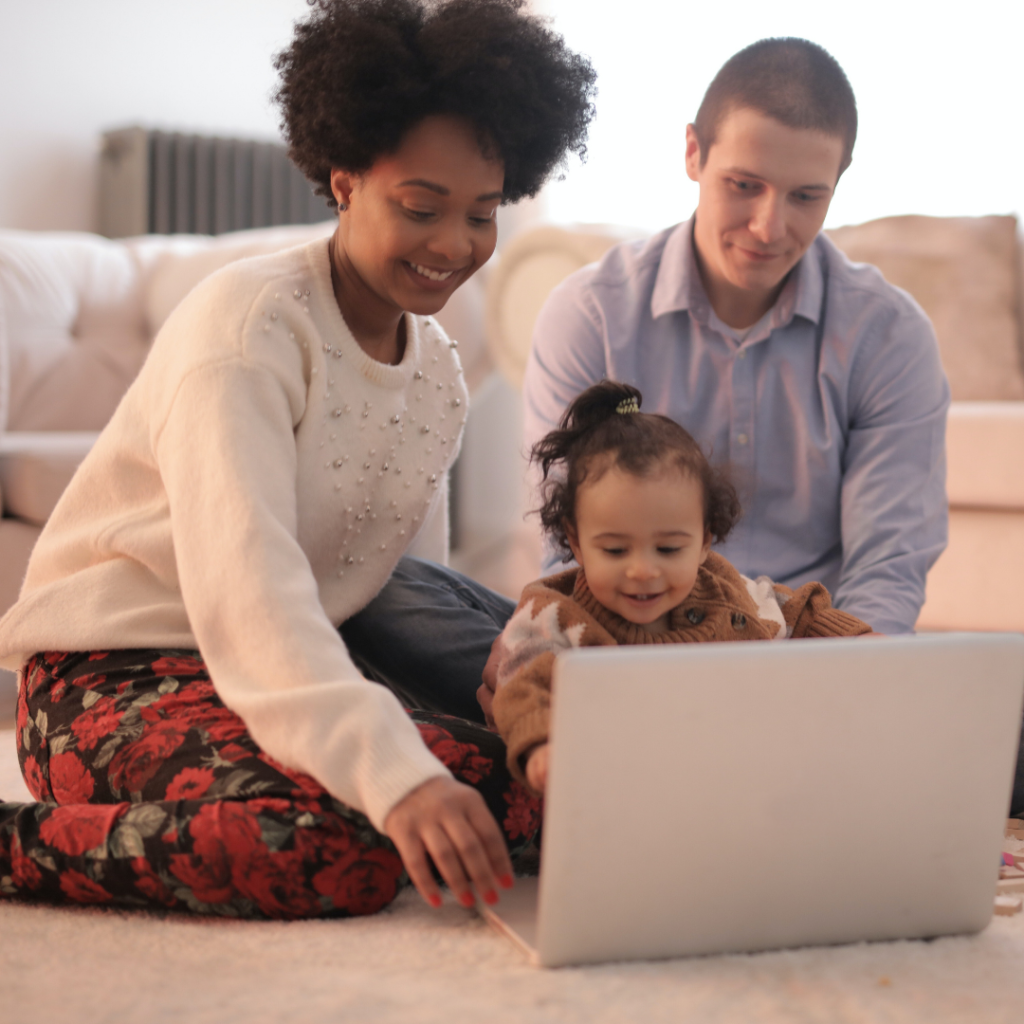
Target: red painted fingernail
[(466, 899), (505, 881), (434, 900), (490, 897)]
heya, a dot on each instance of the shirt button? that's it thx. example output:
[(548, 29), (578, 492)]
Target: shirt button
[(742, 354), (742, 438)]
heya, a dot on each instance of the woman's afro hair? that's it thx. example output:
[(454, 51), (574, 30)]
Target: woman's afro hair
[(360, 73)]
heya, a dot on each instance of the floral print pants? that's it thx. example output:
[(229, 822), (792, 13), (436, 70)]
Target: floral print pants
[(152, 794)]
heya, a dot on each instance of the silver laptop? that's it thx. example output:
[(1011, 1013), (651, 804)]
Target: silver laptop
[(712, 798)]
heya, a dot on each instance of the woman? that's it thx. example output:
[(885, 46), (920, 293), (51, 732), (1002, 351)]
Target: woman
[(196, 732)]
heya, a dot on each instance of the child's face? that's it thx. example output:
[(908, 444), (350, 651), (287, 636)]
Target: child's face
[(640, 541)]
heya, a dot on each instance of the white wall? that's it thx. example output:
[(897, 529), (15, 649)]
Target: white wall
[(70, 69), (938, 86)]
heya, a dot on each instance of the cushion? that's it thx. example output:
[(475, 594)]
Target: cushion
[(73, 334), (964, 273), (172, 265), (985, 453), (16, 542), (78, 313), (36, 467), (530, 266), (975, 584)]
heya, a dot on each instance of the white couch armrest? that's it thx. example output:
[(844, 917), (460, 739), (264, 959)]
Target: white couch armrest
[(985, 452), (35, 467)]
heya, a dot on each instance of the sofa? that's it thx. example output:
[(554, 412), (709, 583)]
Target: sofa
[(967, 275), (77, 315)]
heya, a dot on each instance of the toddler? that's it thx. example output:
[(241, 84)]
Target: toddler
[(637, 504)]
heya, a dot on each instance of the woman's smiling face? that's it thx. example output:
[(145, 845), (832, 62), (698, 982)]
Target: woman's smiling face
[(419, 222)]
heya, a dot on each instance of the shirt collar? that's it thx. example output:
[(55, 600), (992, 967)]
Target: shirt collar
[(678, 285)]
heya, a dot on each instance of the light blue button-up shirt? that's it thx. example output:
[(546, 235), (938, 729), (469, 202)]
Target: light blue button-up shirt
[(830, 412)]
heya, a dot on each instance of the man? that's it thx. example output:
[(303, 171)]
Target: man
[(814, 380), (818, 383)]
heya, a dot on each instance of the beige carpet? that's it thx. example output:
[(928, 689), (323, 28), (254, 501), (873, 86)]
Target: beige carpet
[(74, 965)]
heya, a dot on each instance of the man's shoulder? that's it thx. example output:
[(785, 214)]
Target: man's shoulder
[(882, 329), (861, 286)]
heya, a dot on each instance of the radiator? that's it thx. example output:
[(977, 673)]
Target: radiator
[(165, 183)]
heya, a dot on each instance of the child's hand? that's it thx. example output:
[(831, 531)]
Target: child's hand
[(537, 767), (485, 693)]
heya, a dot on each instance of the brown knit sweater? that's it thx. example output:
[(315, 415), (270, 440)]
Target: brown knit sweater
[(559, 612)]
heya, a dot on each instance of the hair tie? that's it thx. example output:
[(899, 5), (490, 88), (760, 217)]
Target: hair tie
[(627, 405)]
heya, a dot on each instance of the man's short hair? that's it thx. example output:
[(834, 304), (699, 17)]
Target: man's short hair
[(794, 81)]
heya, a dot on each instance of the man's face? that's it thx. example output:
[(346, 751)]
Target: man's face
[(764, 193)]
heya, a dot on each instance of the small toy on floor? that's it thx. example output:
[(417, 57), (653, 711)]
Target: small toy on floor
[(1007, 906), (1011, 873)]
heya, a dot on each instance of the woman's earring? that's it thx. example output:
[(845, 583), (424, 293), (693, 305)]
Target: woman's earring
[(342, 206)]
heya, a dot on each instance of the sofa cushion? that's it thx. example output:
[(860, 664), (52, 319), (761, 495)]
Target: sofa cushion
[(16, 542), (985, 453), (73, 331), (964, 272), (529, 267), (36, 467), (78, 313), (172, 265)]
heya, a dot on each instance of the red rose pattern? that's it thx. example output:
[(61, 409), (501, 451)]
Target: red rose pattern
[(524, 812), (363, 882), (70, 781), (233, 752), (462, 759), (135, 764), (25, 873), (190, 783), (82, 889), (22, 711), (271, 842), (80, 827), (95, 725), (35, 780), (171, 666), (304, 784), (90, 682), (150, 884), (210, 881)]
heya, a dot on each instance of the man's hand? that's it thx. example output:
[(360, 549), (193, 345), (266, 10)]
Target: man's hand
[(537, 767), (485, 693), (449, 822)]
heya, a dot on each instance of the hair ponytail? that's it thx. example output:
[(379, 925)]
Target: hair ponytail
[(606, 420), (590, 409)]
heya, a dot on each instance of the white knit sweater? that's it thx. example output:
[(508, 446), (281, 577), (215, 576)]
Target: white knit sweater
[(254, 489)]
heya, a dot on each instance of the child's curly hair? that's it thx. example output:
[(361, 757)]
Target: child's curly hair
[(606, 419), (360, 73)]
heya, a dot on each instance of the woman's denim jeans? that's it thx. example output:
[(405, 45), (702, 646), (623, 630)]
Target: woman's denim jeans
[(427, 636)]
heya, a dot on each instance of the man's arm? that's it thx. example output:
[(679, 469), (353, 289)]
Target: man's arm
[(894, 510), (567, 356)]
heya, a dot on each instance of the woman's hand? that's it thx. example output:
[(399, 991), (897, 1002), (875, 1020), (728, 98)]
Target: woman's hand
[(537, 767), (450, 822)]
